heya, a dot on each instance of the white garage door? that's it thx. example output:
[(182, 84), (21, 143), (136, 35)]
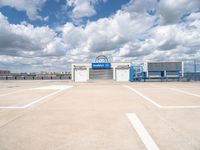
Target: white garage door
[(122, 74), (81, 75)]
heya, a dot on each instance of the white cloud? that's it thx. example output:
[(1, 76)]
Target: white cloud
[(46, 18), (55, 48), (171, 11), (31, 7), (141, 6), (3, 19), (194, 17), (131, 34), (106, 34), (25, 40), (175, 42), (28, 48), (83, 8)]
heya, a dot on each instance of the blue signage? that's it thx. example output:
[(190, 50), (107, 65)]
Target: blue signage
[(101, 65)]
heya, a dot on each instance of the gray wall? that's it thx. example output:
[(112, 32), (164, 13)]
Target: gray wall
[(168, 66)]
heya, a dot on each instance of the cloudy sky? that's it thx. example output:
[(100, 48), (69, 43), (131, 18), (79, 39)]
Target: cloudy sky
[(49, 35)]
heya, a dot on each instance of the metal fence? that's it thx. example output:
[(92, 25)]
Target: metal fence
[(192, 70), (192, 76), (61, 77)]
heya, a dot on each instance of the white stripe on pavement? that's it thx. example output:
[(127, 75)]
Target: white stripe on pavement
[(184, 92), (142, 95), (38, 100), (142, 132)]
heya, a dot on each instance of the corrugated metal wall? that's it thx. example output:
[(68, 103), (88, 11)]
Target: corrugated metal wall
[(101, 74), (168, 66)]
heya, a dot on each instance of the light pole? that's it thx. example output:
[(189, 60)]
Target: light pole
[(195, 66)]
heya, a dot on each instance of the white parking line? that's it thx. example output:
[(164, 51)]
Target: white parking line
[(184, 92), (180, 107), (17, 91), (52, 87), (142, 95), (42, 98), (11, 107), (38, 100), (158, 105), (192, 86), (142, 132), (178, 90)]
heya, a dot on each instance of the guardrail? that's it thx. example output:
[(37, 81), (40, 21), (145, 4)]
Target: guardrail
[(61, 77), (194, 76)]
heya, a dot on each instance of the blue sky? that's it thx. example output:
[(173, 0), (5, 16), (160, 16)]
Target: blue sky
[(49, 35), (56, 11)]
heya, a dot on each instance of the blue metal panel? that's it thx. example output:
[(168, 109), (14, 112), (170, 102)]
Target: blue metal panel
[(131, 74), (136, 73), (101, 65)]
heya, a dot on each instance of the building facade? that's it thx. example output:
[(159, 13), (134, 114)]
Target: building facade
[(102, 69), (4, 72), (163, 69), (86, 71)]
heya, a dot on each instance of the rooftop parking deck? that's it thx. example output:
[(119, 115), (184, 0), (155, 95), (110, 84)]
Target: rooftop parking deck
[(99, 115)]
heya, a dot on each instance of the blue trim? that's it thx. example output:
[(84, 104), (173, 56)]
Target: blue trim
[(101, 65), (134, 73), (131, 74)]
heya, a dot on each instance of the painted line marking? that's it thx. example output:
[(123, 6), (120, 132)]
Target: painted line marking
[(42, 98), (177, 90), (17, 91), (184, 92), (11, 107), (142, 132), (52, 87), (191, 86), (11, 120), (180, 107), (143, 96), (36, 101), (158, 105)]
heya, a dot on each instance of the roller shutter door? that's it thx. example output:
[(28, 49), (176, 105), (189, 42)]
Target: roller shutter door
[(80, 75), (122, 74), (101, 74)]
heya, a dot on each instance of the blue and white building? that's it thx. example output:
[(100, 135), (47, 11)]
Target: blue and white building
[(102, 69)]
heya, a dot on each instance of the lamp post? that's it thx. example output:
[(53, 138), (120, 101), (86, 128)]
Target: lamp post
[(195, 66)]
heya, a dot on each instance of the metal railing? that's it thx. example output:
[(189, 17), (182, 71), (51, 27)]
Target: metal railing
[(32, 77), (192, 76)]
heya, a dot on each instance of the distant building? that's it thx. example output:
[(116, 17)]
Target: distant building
[(64, 73), (4, 72), (46, 74), (164, 69), (102, 69)]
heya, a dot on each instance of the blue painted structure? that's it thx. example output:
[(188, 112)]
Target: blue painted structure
[(131, 75), (101, 65), (136, 73)]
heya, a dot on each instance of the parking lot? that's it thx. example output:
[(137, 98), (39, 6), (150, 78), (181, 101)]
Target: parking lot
[(99, 115)]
